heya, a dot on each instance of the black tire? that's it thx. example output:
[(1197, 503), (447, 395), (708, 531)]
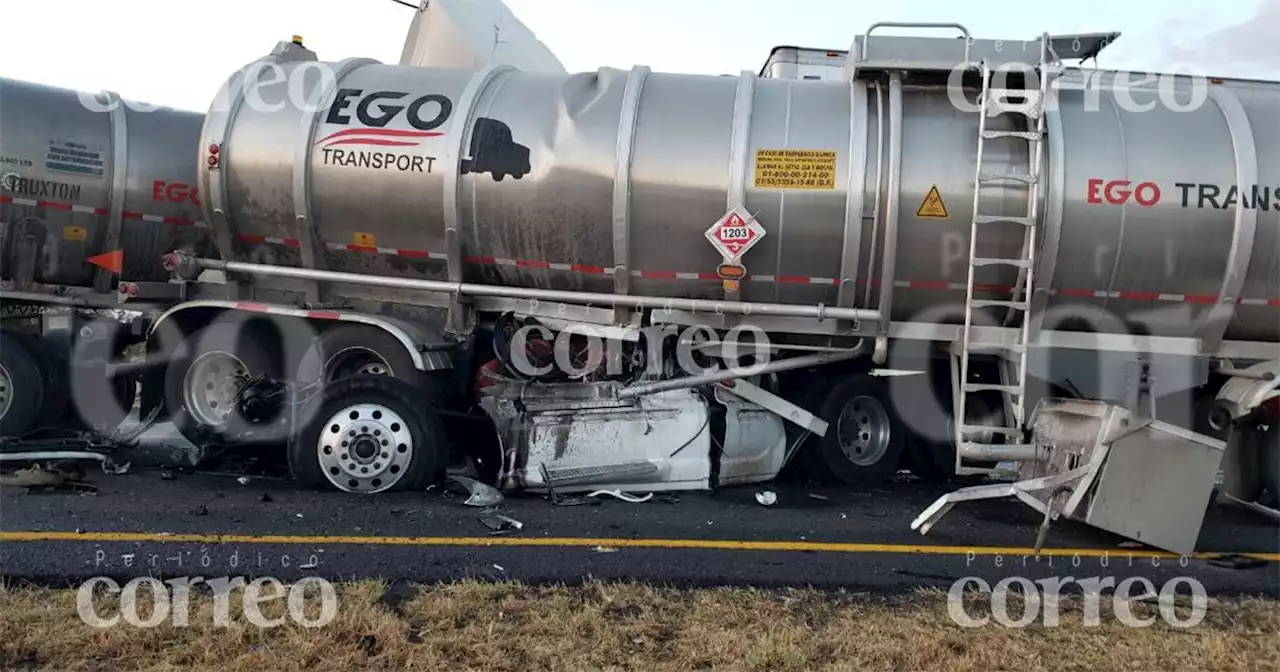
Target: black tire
[(249, 346), (1269, 460), (27, 393), (867, 398), (54, 374), (428, 454), (100, 403), (386, 355)]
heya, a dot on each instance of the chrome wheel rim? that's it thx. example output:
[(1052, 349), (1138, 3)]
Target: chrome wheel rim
[(365, 448), (212, 385), (863, 430)]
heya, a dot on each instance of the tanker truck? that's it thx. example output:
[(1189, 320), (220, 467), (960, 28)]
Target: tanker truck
[(93, 191), (662, 282)]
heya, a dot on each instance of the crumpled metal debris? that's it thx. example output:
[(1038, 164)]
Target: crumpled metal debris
[(767, 497), (500, 524), (481, 494), (618, 494)]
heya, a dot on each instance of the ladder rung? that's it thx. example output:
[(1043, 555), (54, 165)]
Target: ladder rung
[(988, 178), (996, 219), (988, 261), (988, 347), (1029, 136), (997, 101), (992, 387), (1000, 303), (978, 429)]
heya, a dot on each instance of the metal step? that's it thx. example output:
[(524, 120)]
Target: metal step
[(1029, 136), (993, 429), (992, 178), (992, 387), (992, 261), (1000, 303), (997, 101), (989, 348), (996, 219)]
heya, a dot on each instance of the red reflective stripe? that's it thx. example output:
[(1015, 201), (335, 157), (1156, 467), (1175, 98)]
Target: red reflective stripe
[(323, 315), (482, 260), (100, 211), (254, 307), (363, 248), (6, 199), (1201, 298), (1140, 296), (927, 284), (1273, 302), (250, 238), (527, 263), (588, 269), (416, 254), (796, 279), (658, 275), (131, 215), (179, 221), (992, 288), (52, 205), (1078, 293)]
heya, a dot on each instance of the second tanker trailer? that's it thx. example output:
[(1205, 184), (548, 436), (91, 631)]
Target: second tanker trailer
[(411, 221)]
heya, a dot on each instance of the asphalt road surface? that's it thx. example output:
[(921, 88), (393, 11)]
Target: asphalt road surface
[(149, 521)]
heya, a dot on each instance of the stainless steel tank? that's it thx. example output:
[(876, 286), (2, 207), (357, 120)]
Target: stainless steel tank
[(76, 168), (607, 181)]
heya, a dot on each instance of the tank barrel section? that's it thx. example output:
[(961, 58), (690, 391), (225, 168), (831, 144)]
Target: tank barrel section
[(186, 265), (789, 364)]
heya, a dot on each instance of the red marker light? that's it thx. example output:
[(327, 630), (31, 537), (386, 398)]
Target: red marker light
[(213, 149), (213, 161)]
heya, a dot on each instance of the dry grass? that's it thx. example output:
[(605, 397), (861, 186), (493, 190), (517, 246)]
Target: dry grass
[(620, 626)]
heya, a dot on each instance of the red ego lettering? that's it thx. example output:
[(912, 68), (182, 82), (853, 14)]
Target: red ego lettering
[(1118, 192), (174, 192)]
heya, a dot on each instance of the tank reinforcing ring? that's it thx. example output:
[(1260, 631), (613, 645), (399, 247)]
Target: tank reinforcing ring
[(211, 386), (864, 430), (356, 362), (6, 390), (365, 448)]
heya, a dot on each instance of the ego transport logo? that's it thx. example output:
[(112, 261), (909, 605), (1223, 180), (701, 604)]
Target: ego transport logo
[(102, 603)]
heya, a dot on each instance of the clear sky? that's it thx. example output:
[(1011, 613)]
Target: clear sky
[(178, 52)]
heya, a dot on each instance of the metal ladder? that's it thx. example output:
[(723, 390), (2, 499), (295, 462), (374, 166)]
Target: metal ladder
[(969, 438)]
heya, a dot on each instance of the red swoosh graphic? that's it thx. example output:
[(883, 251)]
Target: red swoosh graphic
[(390, 132), (372, 141)]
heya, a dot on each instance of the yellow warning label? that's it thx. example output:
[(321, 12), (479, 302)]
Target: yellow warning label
[(933, 205), (75, 233), (795, 169), (365, 239)]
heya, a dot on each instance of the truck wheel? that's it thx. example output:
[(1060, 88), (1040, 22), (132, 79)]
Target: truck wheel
[(935, 459), (203, 382), (21, 387), (865, 440), (369, 434), (53, 373), (359, 349)]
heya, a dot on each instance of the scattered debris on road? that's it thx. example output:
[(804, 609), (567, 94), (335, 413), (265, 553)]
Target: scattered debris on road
[(618, 494), (767, 497)]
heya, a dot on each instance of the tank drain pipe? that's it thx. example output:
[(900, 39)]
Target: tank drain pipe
[(185, 265), (720, 375)]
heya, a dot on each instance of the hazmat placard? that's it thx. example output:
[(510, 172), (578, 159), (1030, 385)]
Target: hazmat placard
[(795, 169), (933, 207)]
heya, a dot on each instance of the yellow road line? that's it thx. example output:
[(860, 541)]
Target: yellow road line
[(577, 542)]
